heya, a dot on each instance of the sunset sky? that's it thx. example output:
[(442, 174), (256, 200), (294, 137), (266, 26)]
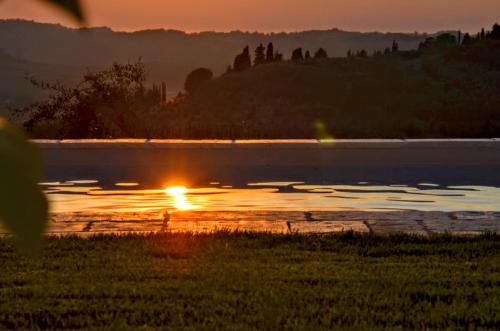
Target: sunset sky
[(271, 15)]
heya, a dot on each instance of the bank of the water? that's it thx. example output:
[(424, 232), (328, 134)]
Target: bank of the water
[(253, 281)]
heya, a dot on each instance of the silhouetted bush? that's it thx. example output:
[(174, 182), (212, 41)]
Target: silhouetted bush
[(197, 78), (321, 54), (297, 55)]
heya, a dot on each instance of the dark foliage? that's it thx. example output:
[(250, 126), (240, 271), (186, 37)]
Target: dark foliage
[(243, 60), (466, 39), (270, 53), (278, 57), (322, 54), (197, 78), (260, 56), (395, 46), (110, 103), (297, 55), (495, 32)]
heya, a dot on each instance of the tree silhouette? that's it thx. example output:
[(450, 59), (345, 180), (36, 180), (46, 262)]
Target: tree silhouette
[(427, 43), (104, 104), (362, 53), (445, 40), (307, 55), (243, 60), (321, 54), (278, 57), (297, 55), (197, 78), (349, 53), (260, 57), (466, 39), (483, 34), (270, 53), (395, 46), (495, 32)]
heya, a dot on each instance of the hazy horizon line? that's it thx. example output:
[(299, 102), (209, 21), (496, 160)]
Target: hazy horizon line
[(188, 32)]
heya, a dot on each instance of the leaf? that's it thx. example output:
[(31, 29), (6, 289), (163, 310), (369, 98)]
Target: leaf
[(23, 206), (321, 131), (72, 7)]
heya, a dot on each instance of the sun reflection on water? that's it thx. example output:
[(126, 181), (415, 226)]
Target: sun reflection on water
[(180, 201)]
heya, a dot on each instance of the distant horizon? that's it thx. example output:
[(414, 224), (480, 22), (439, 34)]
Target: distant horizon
[(166, 29), (278, 16)]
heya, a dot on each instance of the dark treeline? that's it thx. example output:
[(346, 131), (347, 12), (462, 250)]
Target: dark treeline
[(268, 54), (448, 87)]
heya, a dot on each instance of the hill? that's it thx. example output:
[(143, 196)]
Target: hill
[(446, 88), (444, 91), (169, 55), (16, 90)]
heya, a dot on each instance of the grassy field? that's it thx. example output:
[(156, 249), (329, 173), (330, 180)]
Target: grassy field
[(253, 281)]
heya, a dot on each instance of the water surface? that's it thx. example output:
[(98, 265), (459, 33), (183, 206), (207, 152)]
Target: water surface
[(90, 196)]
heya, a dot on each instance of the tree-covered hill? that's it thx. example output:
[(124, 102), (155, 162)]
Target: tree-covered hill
[(442, 90), (449, 87)]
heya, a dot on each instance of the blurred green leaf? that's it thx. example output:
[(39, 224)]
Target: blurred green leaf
[(73, 7), (23, 206), (321, 132)]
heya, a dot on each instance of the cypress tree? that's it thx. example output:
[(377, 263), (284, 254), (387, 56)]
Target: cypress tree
[(307, 55), (270, 53), (395, 46), (260, 57)]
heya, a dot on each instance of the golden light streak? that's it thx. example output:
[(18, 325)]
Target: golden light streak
[(180, 201)]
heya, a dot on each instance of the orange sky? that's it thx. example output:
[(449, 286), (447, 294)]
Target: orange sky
[(272, 15)]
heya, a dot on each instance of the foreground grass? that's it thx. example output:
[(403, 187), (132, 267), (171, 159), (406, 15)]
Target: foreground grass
[(249, 281)]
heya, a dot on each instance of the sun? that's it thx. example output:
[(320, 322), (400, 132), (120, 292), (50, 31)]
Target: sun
[(180, 201), (175, 191)]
